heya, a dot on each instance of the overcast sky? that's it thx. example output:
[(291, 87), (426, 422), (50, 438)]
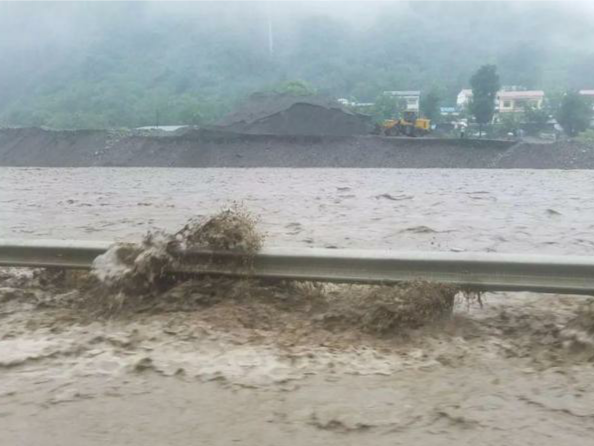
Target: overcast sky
[(23, 22), (352, 9)]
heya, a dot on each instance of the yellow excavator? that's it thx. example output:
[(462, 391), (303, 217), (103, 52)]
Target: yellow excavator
[(408, 125)]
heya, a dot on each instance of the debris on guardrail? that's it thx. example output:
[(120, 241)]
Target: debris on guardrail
[(136, 278), (233, 229), (390, 308), (131, 274), (131, 278)]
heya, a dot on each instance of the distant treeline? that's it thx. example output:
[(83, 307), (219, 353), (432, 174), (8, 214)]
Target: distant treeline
[(94, 65)]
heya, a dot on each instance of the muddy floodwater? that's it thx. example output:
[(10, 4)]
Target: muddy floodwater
[(410, 209), (517, 369)]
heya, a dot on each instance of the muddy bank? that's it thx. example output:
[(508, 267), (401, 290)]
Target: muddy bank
[(199, 148)]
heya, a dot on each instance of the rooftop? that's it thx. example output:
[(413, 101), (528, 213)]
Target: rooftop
[(521, 94)]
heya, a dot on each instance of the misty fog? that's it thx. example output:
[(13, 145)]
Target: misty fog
[(114, 64)]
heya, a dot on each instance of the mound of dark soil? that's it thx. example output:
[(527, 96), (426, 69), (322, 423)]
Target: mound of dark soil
[(286, 114)]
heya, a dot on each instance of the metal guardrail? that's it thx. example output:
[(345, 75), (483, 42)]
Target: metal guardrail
[(51, 253), (475, 271)]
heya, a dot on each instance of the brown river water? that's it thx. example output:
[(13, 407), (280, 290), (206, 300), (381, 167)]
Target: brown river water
[(508, 372), (410, 209)]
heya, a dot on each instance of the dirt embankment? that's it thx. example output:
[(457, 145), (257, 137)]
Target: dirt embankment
[(200, 148)]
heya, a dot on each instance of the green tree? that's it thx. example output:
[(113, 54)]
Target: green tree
[(508, 123), (191, 116), (574, 113), (430, 105), (485, 85), (387, 107), (587, 137), (295, 87), (552, 101), (536, 116)]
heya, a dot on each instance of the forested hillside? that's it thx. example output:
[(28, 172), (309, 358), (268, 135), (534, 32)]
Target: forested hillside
[(94, 65)]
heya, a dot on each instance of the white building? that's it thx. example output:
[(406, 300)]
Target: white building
[(507, 100), (464, 98), (361, 107), (348, 103), (412, 98), (516, 101)]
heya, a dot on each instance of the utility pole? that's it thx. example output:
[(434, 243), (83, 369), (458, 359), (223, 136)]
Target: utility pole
[(270, 33)]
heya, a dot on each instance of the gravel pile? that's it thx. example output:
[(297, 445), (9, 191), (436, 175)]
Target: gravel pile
[(210, 148)]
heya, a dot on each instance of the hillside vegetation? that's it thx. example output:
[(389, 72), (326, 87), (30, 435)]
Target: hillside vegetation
[(96, 65)]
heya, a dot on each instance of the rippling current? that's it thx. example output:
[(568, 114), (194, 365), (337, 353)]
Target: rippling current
[(418, 209)]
